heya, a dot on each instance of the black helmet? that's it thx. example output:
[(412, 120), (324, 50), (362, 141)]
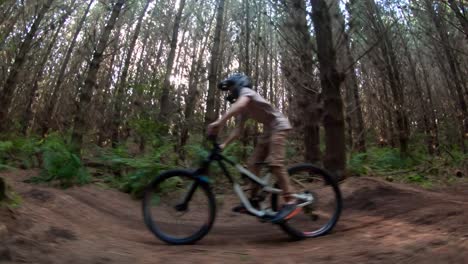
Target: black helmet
[(237, 81)]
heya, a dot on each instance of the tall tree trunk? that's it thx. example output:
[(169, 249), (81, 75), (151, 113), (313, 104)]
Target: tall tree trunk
[(210, 115), (330, 78), (193, 92), (393, 75), (86, 93), (165, 100), (105, 131), (246, 7), (360, 131), (182, 49), (6, 95), (27, 116), (143, 58), (460, 13), (10, 23), (424, 109), (455, 78), (298, 68), (50, 103), (6, 11), (356, 125), (122, 87), (434, 127), (390, 116)]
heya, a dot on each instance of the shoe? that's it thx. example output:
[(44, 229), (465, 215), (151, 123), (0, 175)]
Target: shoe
[(287, 212)]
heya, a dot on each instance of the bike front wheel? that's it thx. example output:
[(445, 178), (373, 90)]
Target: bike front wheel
[(179, 207), (322, 202)]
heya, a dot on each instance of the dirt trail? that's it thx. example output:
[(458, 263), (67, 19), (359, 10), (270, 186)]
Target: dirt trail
[(382, 223)]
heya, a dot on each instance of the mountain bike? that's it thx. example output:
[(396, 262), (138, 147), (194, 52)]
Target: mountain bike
[(179, 206)]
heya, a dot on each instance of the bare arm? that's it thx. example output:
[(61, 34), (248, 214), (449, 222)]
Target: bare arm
[(234, 134), (236, 108)]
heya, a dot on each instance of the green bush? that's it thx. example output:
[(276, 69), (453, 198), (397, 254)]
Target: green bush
[(357, 164), (378, 160), (60, 164), (5, 149), (137, 172), (148, 130), (26, 150), (455, 157), (416, 178), (19, 152)]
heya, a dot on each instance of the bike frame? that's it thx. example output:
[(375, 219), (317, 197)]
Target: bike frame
[(264, 183)]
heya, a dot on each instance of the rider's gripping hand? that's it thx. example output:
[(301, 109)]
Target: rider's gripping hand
[(213, 128)]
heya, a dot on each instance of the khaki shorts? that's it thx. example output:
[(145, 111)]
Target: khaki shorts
[(271, 147)]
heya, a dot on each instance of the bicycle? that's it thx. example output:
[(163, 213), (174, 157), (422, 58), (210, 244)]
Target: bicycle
[(182, 191)]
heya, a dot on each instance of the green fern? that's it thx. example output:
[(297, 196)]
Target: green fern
[(379, 160), (137, 172), (60, 164), (5, 151), (19, 152), (357, 164)]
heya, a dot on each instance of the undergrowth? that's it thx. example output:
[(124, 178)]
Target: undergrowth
[(131, 171), (418, 167), (131, 174), (58, 162)]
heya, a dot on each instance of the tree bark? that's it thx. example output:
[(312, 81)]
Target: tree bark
[(6, 95), (298, 69), (10, 22), (460, 13), (434, 127), (122, 87), (165, 100), (455, 75), (424, 108), (246, 7), (85, 94), (393, 75), (354, 107), (210, 115), (330, 78), (193, 92), (27, 116), (51, 103)]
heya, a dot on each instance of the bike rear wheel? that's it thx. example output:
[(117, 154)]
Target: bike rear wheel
[(179, 207), (321, 215)]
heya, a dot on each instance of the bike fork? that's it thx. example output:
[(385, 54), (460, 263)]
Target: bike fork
[(183, 206)]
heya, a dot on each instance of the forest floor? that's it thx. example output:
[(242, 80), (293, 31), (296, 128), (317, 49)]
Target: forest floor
[(382, 223)]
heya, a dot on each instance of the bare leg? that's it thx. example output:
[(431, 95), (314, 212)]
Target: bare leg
[(283, 181), (259, 155), (254, 188), (277, 154)]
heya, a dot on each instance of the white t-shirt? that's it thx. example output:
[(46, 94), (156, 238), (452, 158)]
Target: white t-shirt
[(263, 112)]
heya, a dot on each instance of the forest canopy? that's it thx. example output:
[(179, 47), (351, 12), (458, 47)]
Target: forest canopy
[(352, 76)]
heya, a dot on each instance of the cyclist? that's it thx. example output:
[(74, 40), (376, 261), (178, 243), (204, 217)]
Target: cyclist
[(246, 103)]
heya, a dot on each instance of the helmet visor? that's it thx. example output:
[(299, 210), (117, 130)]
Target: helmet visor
[(225, 85)]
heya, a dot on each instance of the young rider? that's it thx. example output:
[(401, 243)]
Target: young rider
[(248, 104)]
